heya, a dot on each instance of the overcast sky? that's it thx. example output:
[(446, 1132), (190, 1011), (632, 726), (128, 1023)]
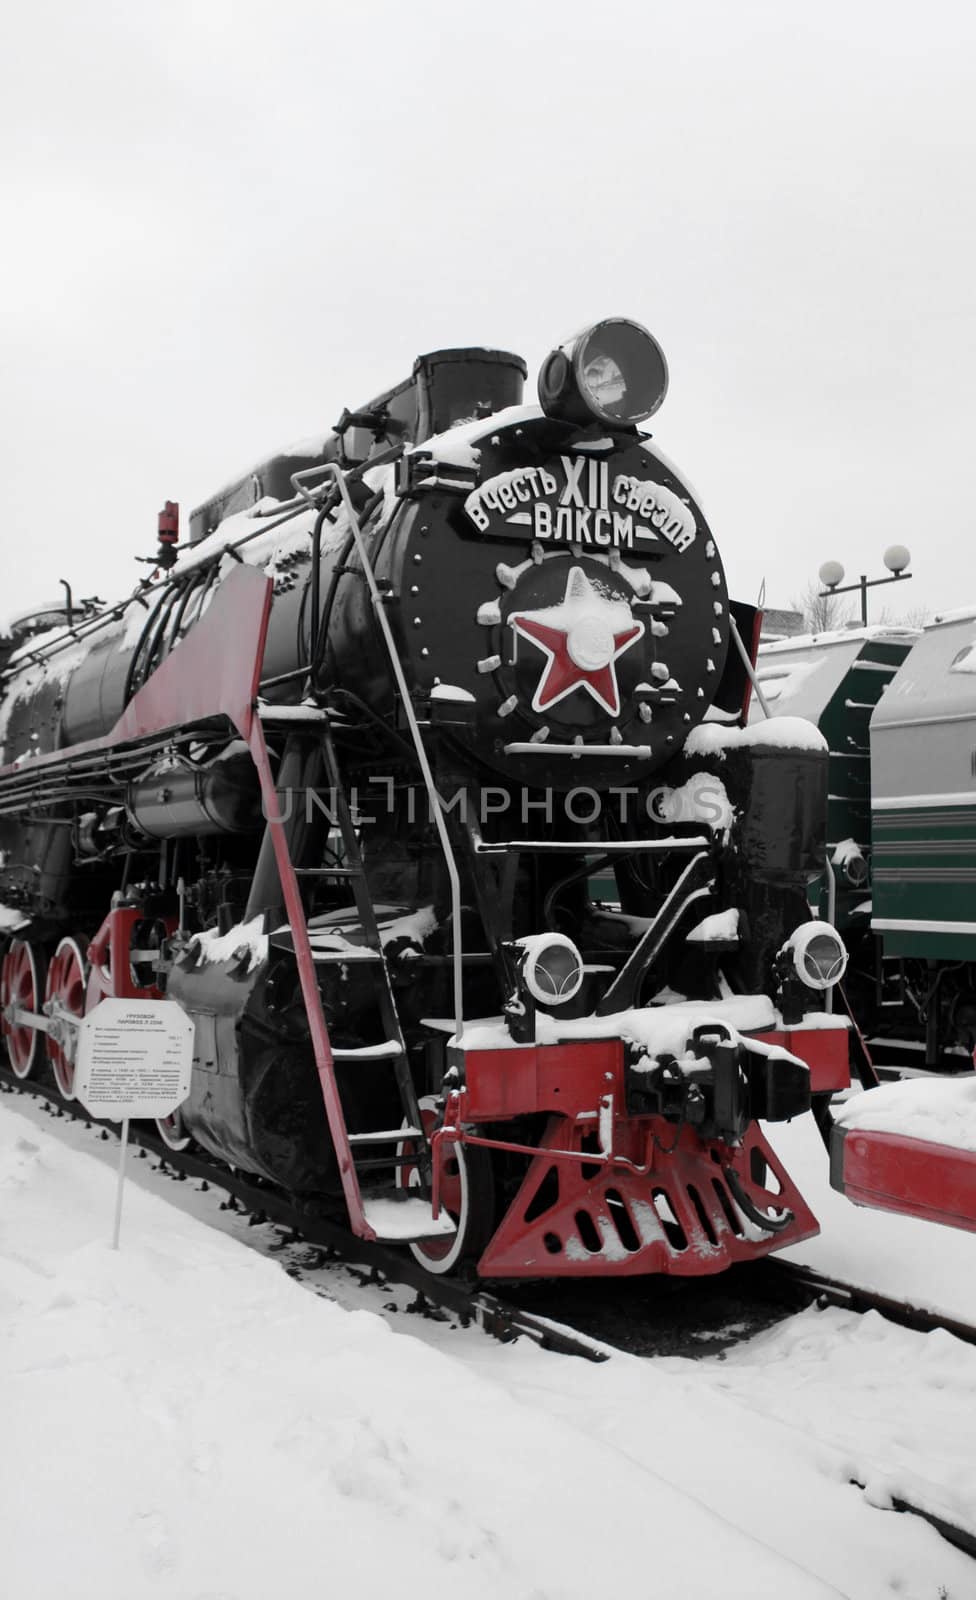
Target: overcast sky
[(223, 222)]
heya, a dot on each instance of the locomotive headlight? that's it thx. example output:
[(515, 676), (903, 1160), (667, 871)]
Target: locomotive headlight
[(818, 954), (552, 968), (614, 372)]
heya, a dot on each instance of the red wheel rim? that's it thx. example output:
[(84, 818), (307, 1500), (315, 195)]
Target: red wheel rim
[(172, 1131), (20, 986), (65, 992), (453, 1195)]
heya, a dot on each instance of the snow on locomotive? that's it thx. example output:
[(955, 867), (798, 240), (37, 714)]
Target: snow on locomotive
[(421, 778)]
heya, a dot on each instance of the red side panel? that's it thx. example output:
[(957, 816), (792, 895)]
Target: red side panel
[(891, 1172), (215, 670), (567, 1078)]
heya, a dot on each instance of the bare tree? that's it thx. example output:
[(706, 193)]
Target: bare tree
[(911, 617), (822, 612)]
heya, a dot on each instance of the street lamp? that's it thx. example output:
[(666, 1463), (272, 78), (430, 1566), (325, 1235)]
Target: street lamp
[(896, 559)]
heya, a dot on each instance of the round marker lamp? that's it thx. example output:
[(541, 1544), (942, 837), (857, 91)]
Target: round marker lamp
[(856, 870), (819, 955), (552, 969), (614, 373)]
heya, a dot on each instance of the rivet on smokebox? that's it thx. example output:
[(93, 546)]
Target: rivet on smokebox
[(416, 622), (418, 558)]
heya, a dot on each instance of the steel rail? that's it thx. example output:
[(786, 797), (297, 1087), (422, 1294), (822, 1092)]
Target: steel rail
[(793, 1282), (791, 1276)]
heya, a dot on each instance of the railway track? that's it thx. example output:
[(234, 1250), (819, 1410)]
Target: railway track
[(590, 1319), (788, 1278), (309, 1227)]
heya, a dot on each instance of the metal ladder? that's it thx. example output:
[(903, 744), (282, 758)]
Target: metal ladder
[(308, 734)]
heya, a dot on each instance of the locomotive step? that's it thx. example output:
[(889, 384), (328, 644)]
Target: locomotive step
[(386, 1136), (324, 958), (384, 1163), (272, 715), (396, 1217), (369, 1052)]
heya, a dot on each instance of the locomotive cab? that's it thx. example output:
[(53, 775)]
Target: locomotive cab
[(444, 388)]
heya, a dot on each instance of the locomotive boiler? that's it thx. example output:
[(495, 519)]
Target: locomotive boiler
[(420, 775)]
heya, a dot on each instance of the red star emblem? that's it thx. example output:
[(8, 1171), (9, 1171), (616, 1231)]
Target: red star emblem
[(581, 637)]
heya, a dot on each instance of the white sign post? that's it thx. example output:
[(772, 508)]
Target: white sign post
[(134, 1059)]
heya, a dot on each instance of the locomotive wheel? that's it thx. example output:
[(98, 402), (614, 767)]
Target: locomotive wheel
[(171, 1131), (467, 1195), (20, 985), (65, 992)]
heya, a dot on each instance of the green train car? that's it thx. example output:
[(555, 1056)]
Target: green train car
[(923, 800), (923, 829), (898, 709), (835, 680)]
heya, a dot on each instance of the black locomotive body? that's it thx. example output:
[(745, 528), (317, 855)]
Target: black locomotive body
[(420, 778)]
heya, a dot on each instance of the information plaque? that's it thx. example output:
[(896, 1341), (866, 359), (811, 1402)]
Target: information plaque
[(134, 1059)]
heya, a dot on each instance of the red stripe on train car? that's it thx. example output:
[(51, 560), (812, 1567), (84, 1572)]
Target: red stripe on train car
[(892, 1172)]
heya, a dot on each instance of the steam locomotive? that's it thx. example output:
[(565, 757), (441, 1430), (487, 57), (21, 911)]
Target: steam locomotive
[(421, 777)]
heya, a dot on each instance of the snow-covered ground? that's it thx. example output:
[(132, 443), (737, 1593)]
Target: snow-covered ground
[(181, 1419)]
